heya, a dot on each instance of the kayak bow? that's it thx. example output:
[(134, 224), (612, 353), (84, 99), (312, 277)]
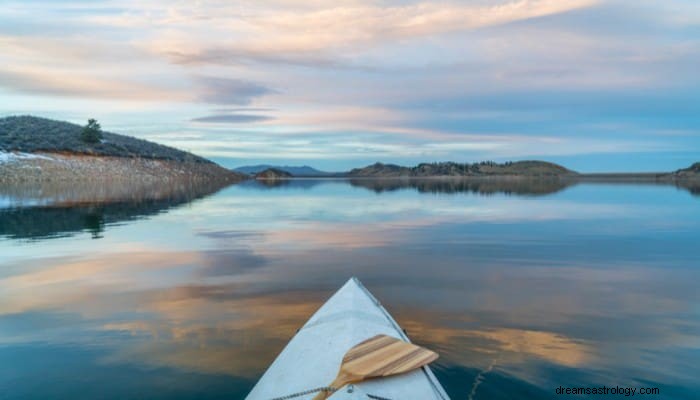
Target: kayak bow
[(313, 356)]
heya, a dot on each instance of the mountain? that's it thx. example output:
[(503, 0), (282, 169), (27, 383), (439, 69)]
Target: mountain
[(488, 168), (36, 149), (304, 170)]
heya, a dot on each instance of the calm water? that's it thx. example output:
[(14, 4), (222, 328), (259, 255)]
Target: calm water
[(191, 295)]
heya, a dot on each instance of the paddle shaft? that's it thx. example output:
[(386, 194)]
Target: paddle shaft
[(339, 381)]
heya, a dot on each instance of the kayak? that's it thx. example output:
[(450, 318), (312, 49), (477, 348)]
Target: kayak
[(311, 359)]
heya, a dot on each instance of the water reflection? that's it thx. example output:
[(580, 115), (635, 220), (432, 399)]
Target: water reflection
[(485, 186), (519, 186), (589, 286), (55, 209)]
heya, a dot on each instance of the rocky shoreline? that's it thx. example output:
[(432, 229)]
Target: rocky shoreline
[(53, 167)]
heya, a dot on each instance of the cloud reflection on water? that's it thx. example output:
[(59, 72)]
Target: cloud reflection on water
[(537, 289)]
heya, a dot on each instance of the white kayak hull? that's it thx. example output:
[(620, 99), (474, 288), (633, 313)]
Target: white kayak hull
[(312, 358)]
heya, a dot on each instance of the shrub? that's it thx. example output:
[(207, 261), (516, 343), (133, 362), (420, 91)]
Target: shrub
[(92, 132)]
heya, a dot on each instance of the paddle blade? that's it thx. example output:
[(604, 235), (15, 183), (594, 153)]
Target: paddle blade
[(376, 357), (383, 355)]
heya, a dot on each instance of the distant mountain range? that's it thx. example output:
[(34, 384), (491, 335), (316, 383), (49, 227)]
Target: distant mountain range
[(302, 171)]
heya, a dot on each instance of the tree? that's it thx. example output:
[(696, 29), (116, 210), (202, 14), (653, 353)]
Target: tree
[(92, 132)]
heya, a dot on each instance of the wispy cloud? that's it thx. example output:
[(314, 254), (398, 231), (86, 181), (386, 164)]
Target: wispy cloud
[(231, 118), (62, 83), (219, 90), (319, 36)]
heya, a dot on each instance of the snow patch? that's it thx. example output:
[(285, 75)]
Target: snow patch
[(15, 202), (14, 156)]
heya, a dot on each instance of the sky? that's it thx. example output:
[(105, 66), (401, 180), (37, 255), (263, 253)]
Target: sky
[(596, 85)]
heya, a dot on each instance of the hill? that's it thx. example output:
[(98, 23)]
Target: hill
[(691, 172), (30, 134), (303, 170), (40, 149), (380, 170), (488, 168)]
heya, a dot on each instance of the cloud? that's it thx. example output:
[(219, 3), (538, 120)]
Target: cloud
[(231, 55), (231, 118), (313, 36), (242, 109), (318, 36), (45, 81), (61, 82), (408, 146), (218, 90)]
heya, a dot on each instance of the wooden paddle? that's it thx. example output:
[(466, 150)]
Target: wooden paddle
[(379, 356)]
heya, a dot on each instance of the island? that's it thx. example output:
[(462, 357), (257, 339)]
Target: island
[(453, 169), (297, 171), (39, 149), (273, 174)]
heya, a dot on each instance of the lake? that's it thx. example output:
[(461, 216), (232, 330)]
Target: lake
[(521, 287)]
